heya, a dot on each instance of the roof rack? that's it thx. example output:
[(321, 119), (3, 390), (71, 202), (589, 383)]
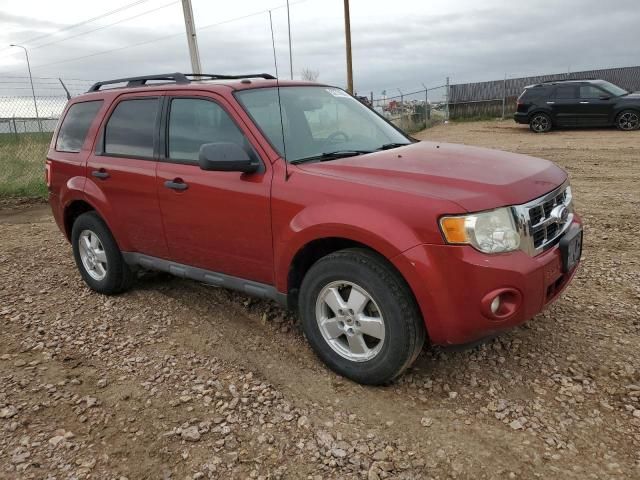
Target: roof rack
[(569, 80), (177, 78)]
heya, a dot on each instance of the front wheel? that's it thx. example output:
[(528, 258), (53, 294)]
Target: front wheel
[(628, 120), (360, 317), (540, 123)]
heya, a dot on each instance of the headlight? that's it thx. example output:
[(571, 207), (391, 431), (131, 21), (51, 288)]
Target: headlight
[(489, 232)]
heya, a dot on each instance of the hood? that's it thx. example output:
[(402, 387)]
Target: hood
[(474, 178), (632, 96)]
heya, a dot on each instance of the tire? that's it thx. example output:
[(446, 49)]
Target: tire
[(540, 123), (381, 304), (98, 257), (628, 120)]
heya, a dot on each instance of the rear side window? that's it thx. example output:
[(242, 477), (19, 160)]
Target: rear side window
[(75, 126), (566, 91), (130, 128)]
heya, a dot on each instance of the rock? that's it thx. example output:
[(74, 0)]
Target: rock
[(338, 453), (516, 425), (380, 456), (190, 434), (20, 455), (636, 413), (324, 438), (8, 412), (303, 422), (102, 383), (426, 421)]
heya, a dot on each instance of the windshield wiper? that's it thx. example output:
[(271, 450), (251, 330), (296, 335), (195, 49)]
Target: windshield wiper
[(389, 146), (331, 156)]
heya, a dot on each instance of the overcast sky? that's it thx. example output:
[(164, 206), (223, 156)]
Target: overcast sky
[(398, 44)]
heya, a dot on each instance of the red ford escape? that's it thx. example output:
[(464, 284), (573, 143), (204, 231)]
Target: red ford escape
[(299, 193)]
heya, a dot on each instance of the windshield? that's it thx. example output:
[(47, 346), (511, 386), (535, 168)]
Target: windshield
[(614, 90), (318, 121)]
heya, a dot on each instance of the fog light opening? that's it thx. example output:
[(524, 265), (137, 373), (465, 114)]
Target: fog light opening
[(495, 305)]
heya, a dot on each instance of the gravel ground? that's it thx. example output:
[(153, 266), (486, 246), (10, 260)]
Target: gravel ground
[(180, 380)]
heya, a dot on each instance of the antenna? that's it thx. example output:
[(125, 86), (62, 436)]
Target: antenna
[(65, 89), (275, 62)]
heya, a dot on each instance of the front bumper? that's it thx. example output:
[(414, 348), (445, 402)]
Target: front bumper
[(520, 117), (454, 284)]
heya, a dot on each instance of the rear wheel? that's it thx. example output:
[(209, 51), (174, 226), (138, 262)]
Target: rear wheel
[(360, 317), (98, 257), (540, 123), (628, 120)]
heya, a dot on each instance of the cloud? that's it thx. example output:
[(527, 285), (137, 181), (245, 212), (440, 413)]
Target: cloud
[(394, 46)]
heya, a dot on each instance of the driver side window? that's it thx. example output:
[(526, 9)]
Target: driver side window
[(194, 122), (589, 91)]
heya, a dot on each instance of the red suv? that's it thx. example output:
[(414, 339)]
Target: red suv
[(299, 193)]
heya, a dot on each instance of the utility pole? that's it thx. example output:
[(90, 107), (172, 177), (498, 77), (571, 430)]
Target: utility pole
[(347, 32), (33, 92), (426, 104), (192, 40), (504, 96), (290, 53), (448, 99)]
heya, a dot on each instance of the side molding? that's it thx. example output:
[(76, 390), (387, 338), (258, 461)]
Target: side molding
[(249, 287)]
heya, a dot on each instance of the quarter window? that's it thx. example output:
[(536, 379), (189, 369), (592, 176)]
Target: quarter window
[(75, 126), (194, 122), (129, 131)]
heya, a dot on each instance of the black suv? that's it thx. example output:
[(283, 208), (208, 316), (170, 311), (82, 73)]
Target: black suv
[(578, 103)]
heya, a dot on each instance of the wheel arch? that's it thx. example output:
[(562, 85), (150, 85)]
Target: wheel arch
[(546, 111), (308, 254), (72, 211)]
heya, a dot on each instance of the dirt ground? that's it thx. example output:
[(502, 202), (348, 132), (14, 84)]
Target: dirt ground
[(178, 380)]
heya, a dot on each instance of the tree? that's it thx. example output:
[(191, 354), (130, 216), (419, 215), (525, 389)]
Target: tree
[(310, 75)]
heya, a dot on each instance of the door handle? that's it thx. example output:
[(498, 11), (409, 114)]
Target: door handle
[(584, 102), (102, 174), (550, 103), (176, 184)]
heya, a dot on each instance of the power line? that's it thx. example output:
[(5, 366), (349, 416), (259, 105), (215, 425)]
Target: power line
[(102, 27), (84, 22), (146, 42)]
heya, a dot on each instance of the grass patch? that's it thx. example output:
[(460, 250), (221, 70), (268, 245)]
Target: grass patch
[(22, 159)]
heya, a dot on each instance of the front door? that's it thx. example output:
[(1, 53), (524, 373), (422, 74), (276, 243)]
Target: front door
[(218, 221), (121, 173), (595, 107)]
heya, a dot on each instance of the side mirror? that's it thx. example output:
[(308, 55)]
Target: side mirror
[(226, 157)]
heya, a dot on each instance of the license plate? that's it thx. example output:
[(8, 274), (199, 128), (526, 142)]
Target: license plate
[(571, 248)]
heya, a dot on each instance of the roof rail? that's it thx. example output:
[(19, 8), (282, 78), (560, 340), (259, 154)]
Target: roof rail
[(570, 80), (177, 78)]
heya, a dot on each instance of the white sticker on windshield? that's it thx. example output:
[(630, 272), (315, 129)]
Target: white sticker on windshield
[(336, 92)]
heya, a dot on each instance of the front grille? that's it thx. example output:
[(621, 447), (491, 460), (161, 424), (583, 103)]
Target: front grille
[(542, 222)]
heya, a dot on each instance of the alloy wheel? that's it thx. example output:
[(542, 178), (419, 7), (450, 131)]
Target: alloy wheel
[(92, 254), (350, 321), (629, 121), (540, 123)]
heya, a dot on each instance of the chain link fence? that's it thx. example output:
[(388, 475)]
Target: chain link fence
[(413, 111), (27, 122)]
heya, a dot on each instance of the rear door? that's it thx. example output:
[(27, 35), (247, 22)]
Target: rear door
[(595, 107), (218, 221), (564, 105), (121, 173)]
